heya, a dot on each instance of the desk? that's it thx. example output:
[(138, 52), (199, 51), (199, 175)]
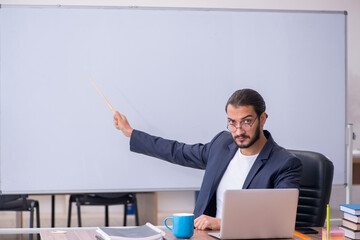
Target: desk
[(90, 235)]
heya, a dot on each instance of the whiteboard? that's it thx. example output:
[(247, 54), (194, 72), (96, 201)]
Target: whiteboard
[(170, 71)]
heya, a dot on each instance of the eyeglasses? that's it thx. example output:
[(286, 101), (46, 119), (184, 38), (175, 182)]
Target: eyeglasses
[(245, 124)]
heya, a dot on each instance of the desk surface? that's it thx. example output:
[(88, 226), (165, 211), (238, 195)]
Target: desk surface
[(90, 235)]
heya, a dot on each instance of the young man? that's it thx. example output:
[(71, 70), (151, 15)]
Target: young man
[(245, 157)]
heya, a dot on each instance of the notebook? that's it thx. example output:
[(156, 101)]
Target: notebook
[(258, 213)]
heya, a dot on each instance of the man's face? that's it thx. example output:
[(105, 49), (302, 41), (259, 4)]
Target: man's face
[(247, 125)]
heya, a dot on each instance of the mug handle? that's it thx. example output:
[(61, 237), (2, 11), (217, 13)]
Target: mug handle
[(166, 224)]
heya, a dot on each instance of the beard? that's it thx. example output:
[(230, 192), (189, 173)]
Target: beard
[(252, 140)]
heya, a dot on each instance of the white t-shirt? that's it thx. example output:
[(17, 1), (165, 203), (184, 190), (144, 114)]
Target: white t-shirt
[(234, 177)]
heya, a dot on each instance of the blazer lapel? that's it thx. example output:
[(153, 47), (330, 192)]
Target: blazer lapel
[(260, 160), (254, 169)]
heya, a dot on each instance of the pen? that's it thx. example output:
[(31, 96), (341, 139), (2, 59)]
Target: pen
[(327, 221)]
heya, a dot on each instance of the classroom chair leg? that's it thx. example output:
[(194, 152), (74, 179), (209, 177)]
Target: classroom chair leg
[(106, 215), (69, 215), (78, 212)]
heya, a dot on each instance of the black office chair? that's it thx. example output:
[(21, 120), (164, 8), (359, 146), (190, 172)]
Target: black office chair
[(315, 188), (103, 199), (21, 203)]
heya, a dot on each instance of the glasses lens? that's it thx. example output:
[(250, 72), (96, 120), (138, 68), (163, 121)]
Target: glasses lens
[(243, 126), (231, 128)]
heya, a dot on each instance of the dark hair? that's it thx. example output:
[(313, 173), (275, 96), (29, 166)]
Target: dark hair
[(247, 97)]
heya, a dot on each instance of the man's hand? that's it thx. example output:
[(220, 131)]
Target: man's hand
[(205, 222), (121, 123)]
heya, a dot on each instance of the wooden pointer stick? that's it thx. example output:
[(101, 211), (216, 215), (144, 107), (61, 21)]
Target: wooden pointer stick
[(112, 109)]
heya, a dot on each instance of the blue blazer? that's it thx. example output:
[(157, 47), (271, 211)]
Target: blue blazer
[(274, 167)]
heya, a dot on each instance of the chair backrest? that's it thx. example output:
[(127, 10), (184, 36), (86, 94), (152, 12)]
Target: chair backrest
[(13, 202), (8, 198), (315, 188)]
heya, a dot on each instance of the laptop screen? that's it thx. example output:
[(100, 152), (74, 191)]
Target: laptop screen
[(259, 213)]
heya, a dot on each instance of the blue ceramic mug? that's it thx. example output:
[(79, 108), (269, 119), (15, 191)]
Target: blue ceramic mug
[(183, 225)]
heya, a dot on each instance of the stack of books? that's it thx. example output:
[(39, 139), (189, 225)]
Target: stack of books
[(351, 221), (334, 234)]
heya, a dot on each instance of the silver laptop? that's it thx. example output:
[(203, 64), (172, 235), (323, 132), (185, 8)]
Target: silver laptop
[(258, 213)]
